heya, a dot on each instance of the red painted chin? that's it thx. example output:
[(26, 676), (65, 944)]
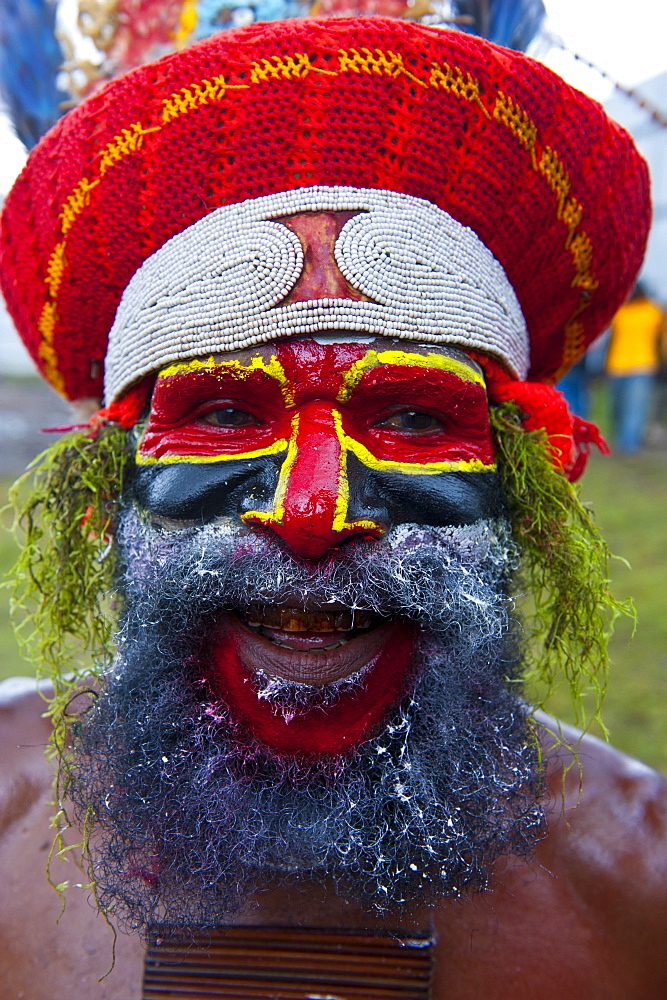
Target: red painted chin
[(385, 652)]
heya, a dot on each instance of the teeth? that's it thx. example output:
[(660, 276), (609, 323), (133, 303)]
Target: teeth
[(291, 620), (320, 649), (273, 617), (344, 622)]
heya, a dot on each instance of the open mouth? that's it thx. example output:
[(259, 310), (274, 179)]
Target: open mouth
[(290, 628), (316, 647)]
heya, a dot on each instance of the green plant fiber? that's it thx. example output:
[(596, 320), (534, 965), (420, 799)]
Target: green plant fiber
[(569, 610), (62, 603)]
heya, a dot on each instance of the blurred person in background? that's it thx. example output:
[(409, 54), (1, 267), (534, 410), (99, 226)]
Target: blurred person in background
[(637, 349), (577, 384)]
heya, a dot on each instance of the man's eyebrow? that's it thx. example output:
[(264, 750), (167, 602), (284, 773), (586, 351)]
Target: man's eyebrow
[(449, 351), (234, 367), (403, 359)]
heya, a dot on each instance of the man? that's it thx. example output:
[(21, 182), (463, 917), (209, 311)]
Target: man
[(328, 271), (633, 361)]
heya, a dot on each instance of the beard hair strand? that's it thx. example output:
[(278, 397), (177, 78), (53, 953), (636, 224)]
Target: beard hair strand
[(193, 814)]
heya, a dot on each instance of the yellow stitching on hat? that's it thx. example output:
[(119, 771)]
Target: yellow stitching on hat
[(572, 215), (573, 329), (76, 202), (582, 253), (570, 212), (128, 141), (389, 63), (456, 82), (518, 121), (551, 168), (189, 98), (382, 63), (47, 321), (55, 269), (46, 351), (574, 344), (296, 66)]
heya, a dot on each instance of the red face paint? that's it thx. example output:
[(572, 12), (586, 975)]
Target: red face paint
[(316, 443), (396, 411), (356, 716), (181, 426)]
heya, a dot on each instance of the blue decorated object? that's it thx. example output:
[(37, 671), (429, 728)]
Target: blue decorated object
[(30, 59), (512, 23), (216, 15)]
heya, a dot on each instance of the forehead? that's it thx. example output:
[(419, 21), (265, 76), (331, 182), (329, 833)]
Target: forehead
[(337, 364), (341, 349), (243, 275)]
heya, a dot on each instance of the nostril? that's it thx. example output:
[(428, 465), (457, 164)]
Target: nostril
[(311, 538)]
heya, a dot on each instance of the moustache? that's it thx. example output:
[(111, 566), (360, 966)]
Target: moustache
[(435, 576)]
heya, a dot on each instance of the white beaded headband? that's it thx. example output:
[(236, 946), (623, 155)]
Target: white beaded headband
[(216, 285)]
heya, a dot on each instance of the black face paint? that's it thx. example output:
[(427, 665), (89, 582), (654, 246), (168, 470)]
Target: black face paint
[(201, 493), (319, 443)]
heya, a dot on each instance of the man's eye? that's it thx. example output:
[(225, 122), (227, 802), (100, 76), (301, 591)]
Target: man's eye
[(411, 422), (229, 417)]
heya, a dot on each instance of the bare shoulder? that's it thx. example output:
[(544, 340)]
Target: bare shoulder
[(586, 918), (44, 954), (607, 797), (24, 773), (608, 836)]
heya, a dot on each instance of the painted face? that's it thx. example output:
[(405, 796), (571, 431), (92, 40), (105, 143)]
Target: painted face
[(317, 446), (314, 648), (317, 443)]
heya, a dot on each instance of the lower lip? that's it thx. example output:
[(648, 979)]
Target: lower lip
[(385, 653), (308, 661)]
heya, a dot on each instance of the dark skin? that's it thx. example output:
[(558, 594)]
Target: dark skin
[(199, 493), (585, 920)]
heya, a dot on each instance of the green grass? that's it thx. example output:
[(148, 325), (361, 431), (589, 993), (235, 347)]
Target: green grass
[(629, 497)]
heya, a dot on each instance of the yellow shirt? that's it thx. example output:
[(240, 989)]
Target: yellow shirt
[(636, 334)]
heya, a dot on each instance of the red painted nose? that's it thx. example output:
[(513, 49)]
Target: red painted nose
[(310, 510)]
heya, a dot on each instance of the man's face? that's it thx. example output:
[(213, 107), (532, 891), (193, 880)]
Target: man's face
[(313, 660), (312, 446)]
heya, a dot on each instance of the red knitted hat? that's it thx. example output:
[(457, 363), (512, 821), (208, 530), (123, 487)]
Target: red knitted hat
[(552, 187)]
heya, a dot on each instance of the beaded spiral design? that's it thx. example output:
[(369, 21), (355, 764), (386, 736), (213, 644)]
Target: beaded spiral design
[(218, 285)]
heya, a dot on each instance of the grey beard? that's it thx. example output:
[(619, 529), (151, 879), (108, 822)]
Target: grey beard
[(192, 815)]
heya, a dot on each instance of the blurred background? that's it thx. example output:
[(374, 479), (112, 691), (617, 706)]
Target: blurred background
[(53, 53)]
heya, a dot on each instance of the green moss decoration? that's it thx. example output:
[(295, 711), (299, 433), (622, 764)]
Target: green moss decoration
[(63, 581), (62, 604), (569, 612), (63, 576)]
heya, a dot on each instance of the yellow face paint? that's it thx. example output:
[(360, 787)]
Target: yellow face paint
[(272, 368), (315, 406), (372, 359)]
